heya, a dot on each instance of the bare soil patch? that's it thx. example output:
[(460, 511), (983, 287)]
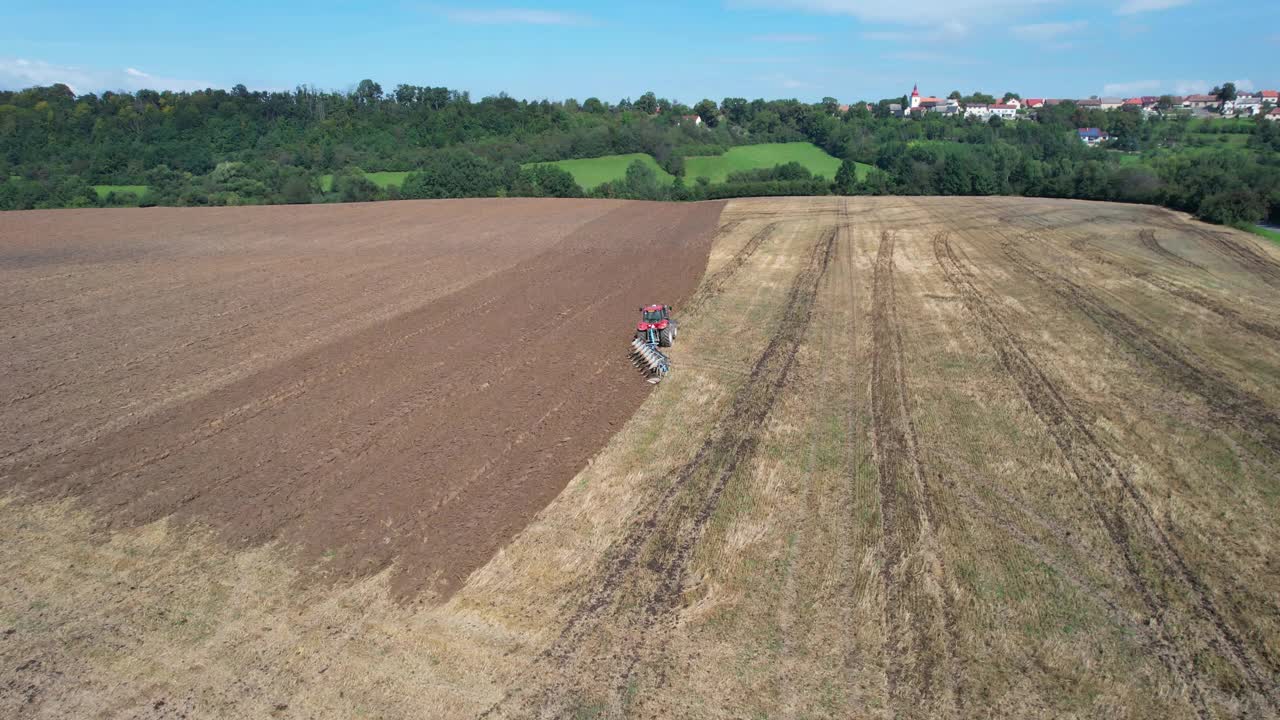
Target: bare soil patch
[(427, 437)]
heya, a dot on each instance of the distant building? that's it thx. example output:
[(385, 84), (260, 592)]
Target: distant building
[(1245, 105), (1274, 115), (1111, 103), (694, 120), (947, 107), (1033, 103), (1092, 136), (1004, 111), (1090, 104), (1199, 102)]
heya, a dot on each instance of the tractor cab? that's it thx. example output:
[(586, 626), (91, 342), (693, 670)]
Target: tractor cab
[(654, 316)]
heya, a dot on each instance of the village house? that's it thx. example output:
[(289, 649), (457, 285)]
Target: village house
[(1090, 104), (1033, 103), (948, 108), (1110, 103), (1243, 106), (1004, 111), (1274, 115), (1092, 136), (1199, 102), (694, 120)]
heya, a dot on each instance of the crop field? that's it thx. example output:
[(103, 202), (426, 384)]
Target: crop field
[(767, 155), (105, 190), (383, 179), (917, 457), (591, 172)]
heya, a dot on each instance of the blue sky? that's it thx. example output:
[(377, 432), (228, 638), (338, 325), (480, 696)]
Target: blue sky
[(848, 49)]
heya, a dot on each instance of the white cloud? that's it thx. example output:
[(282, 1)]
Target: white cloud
[(953, 14), (1041, 32), (787, 38), (516, 16), (1245, 85), (1133, 7), (1136, 87), (1191, 87), (19, 73)]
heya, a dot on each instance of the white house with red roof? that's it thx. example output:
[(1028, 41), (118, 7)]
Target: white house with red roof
[(1033, 103)]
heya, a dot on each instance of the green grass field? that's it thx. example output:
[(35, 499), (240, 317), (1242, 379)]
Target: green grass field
[(382, 179), (1232, 139), (105, 190), (591, 172), (755, 157), (1269, 233)]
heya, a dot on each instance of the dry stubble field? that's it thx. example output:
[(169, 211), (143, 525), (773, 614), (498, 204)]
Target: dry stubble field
[(919, 458)]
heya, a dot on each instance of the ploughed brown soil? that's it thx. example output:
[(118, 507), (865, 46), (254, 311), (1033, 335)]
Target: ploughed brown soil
[(404, 383)]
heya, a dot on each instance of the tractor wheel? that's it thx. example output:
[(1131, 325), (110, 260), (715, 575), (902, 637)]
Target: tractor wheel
[(665, 338)]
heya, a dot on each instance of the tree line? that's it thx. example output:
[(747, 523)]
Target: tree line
[(220, 147)]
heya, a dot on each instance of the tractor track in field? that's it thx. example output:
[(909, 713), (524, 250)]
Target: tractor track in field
[(850, 583), (1221, 309), (1111, 494), (920, 620), (1239, 251), (643, 573), (1249, 413), (715, 283), (1147, 237)]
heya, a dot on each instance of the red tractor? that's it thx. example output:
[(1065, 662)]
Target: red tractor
[(656, 329), (656, 326)]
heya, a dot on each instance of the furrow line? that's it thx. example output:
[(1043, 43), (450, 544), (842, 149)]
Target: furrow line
[(1108, 488), (920, 621)]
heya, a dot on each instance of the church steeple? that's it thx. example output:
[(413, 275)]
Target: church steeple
[(915, 96)]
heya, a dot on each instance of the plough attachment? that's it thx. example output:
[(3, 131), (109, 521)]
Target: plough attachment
[(647, 357)]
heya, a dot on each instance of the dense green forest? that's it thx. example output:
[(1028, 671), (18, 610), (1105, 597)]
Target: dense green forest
[(219, 147)]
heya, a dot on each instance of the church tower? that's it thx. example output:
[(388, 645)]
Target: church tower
[(915, 96)]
